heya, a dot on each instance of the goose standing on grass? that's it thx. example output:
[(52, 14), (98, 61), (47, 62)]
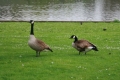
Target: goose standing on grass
[(36, 44), (82, 45)]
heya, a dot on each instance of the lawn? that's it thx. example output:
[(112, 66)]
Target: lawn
[(18, 61)]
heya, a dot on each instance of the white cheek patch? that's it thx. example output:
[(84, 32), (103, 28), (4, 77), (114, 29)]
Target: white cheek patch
[(32, 22), (73, 37)]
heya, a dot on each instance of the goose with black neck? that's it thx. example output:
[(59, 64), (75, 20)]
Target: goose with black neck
[(35, 44), (82, 45)]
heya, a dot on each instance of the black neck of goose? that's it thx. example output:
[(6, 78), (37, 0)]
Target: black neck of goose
[(32, 29), (76, 39)]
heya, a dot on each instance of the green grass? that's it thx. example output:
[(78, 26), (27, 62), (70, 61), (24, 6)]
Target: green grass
[(18, 61)]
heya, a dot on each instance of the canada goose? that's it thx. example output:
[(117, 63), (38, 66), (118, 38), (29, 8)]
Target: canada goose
[(36, 44), (82, 45)]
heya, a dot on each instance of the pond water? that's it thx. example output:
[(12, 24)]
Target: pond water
[(60, 10)]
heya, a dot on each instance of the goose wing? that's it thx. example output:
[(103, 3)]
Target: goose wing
[(82, 44), (41, 43)]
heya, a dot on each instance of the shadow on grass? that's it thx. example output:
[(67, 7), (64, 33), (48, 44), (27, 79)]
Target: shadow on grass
[(42, 54), (83, 55)]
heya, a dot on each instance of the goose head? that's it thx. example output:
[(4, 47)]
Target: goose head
[(31, 21), (73, 37)]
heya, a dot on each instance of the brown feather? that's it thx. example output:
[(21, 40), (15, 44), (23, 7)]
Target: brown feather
[(82, 43), (42, 45)]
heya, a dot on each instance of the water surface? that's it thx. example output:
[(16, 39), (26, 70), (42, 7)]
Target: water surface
[(60, 10)]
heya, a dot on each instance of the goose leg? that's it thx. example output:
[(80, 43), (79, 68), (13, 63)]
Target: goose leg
[(37, 54), (79, 52)]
